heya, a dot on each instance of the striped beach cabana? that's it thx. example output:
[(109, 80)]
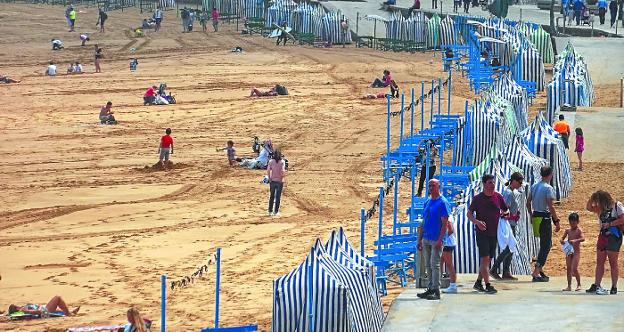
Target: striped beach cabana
[(541, 40), (543, 141), (433, 32), (448, 33), (328, 28), (571, 83), (332, 287), (306, 16), (279, 12), (511, 91)]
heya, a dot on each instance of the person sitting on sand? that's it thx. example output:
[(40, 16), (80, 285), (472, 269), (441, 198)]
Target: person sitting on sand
[(70, 69), (385, 81), (78, 68), (57, 44), (51, 70), (54, 305), (135, 322), (262, 160), (106, 115), (6, 79), (149, 97)]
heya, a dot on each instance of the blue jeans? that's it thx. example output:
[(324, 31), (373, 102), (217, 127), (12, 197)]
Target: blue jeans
[(275, 195)]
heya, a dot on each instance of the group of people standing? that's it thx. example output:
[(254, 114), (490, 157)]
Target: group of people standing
[(188, 16), (495, 218)]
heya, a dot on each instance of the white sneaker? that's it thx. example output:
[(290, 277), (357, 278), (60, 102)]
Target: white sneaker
[(602, 291), (271, 214), (452, 289), (276, 214)]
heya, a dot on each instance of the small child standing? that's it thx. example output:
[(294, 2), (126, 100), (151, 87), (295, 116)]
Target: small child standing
[(449, 243), (575, 237), (580, 147), (165, 148), (231, 152)]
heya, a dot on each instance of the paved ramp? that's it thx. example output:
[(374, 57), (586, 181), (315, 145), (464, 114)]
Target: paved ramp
[(603, 129), (519, 306)]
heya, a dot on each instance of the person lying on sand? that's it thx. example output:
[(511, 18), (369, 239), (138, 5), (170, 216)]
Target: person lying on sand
[(7, 80), (276, 90), (54, 305)]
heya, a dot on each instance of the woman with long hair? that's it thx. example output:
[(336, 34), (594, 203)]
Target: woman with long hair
[(276, 171), (611, 215), (136, 323)]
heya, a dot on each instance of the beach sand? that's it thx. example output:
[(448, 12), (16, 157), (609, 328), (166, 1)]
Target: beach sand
[(85, 217)]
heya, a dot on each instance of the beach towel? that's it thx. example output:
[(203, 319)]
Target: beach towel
[(19, 315), (505, 236), (96, 328)]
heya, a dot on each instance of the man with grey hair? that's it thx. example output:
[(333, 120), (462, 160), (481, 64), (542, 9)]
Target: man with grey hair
[(430, 234)]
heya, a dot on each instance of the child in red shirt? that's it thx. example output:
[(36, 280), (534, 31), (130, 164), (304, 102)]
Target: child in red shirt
[(165, 148)]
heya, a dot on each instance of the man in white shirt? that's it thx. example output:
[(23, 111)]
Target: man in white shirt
[(56, 44), (158, 16), (51, 71)]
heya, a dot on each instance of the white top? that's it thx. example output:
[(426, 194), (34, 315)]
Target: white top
[(78, 68), (57, 42), (51, 70), (158, 13), (263, 156)]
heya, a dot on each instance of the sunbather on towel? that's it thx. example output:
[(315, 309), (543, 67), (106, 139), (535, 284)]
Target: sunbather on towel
[(135, 322), (276, 90), (54, 305), (6, 79)]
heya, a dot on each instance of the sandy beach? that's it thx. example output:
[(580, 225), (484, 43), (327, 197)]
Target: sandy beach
[(85, 217)]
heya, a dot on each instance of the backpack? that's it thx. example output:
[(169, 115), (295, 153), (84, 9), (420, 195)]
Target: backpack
[(281, 90)]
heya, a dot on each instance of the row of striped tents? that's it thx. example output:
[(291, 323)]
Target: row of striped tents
[(544, 142), (279, 12), (448, 33), (541, 40), (306, 16), (334, 285), (571, 83), (329, 29), (519, 154), (412, 28), (167, 4)]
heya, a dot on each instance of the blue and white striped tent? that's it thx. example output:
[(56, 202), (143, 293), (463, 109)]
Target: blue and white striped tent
[(519, 154), (544, 142), (339, 292), (449, 35), (279, 12), (508, 89), (433, 31), (412, 28), (306, 16), (328, 29), (571, 83)]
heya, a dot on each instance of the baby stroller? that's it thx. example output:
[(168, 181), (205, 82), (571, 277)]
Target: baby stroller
[(163, 94), (586, 17)]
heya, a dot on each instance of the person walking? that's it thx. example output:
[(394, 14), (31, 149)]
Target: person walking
[(466, 6), (430, 235), (283, 35), (484, 211), (563, 128), (165, 149), (98, 57), (611, 215), (158, 16), (540, 205), (72, 19), (101, 19), (433, 153), (510, 195), (67, 11), (184, 15), (613, 11), (602, 10), (215, 19), (276, 171), (578, 9)]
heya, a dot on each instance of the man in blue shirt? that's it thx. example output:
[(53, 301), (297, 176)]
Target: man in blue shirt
[(578, 9), (430, 236), (602, 10)]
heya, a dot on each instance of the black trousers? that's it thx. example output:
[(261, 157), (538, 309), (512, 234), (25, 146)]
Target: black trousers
[(281, 37), (505, 257), (545, 241), (423, 177)]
